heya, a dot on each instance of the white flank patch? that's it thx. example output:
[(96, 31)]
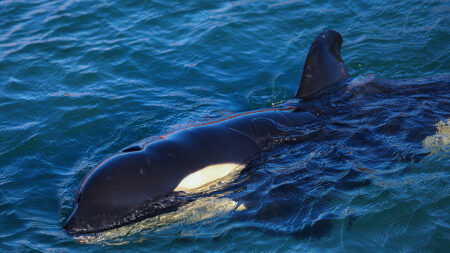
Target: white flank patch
[(207, 175)]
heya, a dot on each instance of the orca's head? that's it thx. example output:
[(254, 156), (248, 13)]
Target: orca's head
[(323, 65), (120, 190)]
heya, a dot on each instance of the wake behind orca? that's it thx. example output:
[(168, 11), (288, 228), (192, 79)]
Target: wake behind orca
[(152, 178)]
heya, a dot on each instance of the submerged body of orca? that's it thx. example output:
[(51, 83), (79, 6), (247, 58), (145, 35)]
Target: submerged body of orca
[(143, 181)]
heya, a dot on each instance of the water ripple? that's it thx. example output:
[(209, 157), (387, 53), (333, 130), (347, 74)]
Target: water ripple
[(80, 80)]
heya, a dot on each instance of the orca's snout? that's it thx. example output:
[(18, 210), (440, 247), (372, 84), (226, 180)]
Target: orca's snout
[(69, 226), (116, 192), (72, 225), (78, 223)]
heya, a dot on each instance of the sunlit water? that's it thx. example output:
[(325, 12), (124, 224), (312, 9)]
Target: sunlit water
[(80, 80)]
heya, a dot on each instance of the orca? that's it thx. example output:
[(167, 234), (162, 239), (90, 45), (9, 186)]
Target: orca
[(156, 176)]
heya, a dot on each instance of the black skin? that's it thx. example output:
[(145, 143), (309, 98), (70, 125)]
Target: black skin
[(139, 182)]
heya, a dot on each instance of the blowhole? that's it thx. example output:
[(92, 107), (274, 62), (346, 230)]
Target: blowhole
[(132, 149)]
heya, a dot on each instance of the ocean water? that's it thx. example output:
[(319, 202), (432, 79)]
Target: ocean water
[(80, 80)]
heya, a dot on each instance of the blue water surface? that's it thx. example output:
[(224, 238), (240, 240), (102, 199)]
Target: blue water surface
[(80, 80)]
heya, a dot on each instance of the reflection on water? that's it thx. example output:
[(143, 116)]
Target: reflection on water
[(200, 209)]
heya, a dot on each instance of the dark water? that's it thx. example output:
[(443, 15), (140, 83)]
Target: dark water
[(79, 80)]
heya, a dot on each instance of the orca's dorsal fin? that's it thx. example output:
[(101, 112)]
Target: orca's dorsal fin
[(323, 65)]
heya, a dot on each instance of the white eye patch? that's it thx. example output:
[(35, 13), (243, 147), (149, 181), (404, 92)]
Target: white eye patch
[(207, 175)]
